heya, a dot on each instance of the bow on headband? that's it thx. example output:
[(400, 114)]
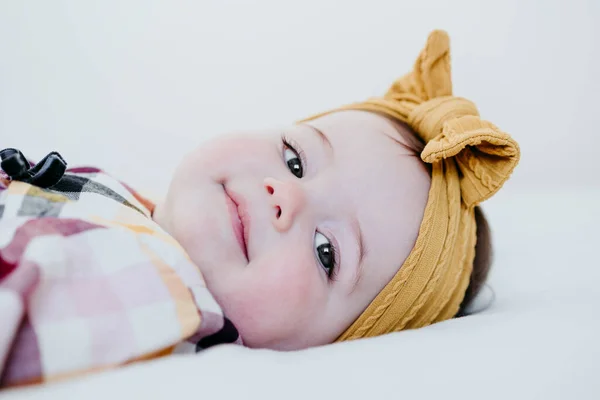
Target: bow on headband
[(470, 161)]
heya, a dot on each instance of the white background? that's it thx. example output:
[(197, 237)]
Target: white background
[(131, 85)]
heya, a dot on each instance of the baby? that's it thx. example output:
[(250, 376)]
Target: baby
[(307, 225), (353, 223), (302, 226)]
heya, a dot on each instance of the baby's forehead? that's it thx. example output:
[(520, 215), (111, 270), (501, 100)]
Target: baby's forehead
[(367, 130), (373, 153)]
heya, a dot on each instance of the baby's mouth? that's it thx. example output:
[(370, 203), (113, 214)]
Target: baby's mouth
[(239, 219)]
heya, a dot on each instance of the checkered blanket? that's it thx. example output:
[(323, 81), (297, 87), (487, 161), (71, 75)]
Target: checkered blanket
[(88, 282)]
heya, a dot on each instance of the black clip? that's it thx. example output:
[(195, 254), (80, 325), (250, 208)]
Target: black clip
[(44, 174)]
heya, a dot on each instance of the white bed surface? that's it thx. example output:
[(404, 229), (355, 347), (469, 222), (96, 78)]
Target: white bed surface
[(538, 340)]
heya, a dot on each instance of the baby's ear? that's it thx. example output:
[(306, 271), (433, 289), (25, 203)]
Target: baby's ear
[(484, 299), (431, 75)]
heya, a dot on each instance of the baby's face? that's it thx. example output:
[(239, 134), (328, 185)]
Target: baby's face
[(326, 221)]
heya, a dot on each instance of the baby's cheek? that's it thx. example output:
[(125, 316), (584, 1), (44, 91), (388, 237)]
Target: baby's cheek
[(281, 298), (284, 285), (287, 285), (227, 152)]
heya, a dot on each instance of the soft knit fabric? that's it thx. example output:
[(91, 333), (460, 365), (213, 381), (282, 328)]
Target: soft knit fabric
[(470, 161), (89, 280)]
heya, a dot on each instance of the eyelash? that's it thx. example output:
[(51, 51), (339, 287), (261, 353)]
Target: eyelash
[(290, 143), (295, 147), (332, 275)]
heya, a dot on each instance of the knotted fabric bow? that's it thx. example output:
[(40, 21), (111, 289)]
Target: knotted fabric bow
[(470, 161), (44, 174)]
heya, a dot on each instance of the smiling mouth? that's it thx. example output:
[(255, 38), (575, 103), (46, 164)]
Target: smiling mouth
[(239, 220)]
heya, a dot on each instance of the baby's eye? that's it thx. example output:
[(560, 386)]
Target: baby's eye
[(293, 160), (325, 253)]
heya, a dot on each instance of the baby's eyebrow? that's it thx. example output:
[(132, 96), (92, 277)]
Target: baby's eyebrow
[(322, 136), (357, 232)]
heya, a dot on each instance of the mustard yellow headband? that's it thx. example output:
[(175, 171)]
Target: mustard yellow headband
[(470, 161)]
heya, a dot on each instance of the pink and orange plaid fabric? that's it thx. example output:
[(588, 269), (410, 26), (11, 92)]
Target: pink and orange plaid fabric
[(95, 283)]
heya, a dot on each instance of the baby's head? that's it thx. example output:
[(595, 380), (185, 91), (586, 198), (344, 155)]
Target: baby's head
[(330, 209), (331, 232)]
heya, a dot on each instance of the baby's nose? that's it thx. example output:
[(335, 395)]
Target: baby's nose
[(287, 199)]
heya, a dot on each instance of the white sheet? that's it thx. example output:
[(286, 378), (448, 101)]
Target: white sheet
[(538, 340)]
